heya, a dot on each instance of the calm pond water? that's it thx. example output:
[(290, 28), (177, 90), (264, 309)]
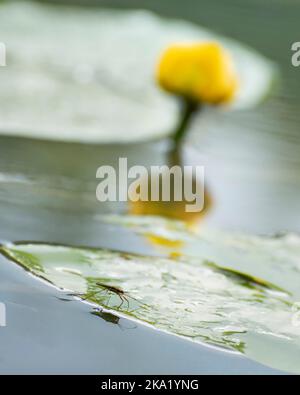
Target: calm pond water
[(252, 167), (252, 158)]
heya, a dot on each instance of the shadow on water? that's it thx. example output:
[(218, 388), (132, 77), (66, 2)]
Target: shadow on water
[(113, 319)]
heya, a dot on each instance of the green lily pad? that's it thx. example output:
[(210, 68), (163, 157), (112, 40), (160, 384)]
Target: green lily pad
[(183, 291), (78, 74)]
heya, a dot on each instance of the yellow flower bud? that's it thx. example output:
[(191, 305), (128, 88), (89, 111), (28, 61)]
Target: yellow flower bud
[(203, 72)]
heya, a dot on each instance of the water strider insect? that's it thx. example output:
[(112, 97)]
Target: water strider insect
[(118, 291), (110, 289)]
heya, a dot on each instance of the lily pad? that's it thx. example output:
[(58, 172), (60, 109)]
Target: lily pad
[(78, 74), (183, 291)]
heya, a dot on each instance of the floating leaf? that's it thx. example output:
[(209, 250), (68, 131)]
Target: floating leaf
[(187, 294)]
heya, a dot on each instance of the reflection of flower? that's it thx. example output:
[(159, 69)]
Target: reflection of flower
[(203, 72)]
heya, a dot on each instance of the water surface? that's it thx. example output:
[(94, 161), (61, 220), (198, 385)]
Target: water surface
[(234, 292)]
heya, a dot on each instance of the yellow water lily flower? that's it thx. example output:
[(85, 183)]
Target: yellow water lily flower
[(202, 72)]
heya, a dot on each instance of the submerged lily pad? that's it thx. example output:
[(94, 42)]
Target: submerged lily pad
[(183, 291), (88, 75)]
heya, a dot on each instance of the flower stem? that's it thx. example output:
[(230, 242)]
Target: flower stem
[(189, 108)]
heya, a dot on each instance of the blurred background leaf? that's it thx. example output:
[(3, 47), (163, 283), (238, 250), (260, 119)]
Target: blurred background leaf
[(96, 83)]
